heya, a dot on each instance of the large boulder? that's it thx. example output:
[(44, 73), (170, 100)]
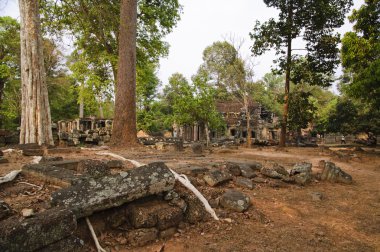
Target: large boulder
[(271, 173), (34, 233), (333, 173), (235, 201), (94, 195), (302, 173)]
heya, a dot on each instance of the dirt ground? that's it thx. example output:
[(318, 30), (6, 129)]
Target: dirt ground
[(283, 217)]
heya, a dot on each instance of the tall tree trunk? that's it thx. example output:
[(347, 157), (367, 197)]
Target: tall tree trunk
[(207, 134), (124, 125), (287, 77), (81, 101), (35, 109)]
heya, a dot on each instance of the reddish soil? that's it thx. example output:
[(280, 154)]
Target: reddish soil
[(283, 217)]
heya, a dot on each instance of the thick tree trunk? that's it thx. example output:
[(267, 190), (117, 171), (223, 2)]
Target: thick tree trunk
[(287, 78), (207, 135), (35, 109), (124, 125), (81, 102)]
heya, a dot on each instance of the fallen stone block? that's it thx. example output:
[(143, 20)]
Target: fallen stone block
[(280, 169), (34, 233), (64, 150), (114, 163), (233, 168), (217, 177), (247, 172), (110, 191), (244, 182), (142, 236), (5, 210), (271, 173), (255, 165), (69, 244), (195, 210), (52, 174), (47, 159), (333, 173), (66, 164), (93, 168), (33, 152), (192, 170), (235, 201), (303, 178), (301, 168)]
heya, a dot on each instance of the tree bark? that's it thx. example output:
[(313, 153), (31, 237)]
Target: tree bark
[(124, 125), (287, 77), (81, 101), (35, 109)]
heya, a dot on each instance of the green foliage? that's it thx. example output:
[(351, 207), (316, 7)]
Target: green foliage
[(314, 21), (361, 55), (343, 118), (301, 110)]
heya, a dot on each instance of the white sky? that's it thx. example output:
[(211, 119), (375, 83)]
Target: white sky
[(202, 23)]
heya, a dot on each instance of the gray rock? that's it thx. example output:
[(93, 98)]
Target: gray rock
[(255, 165), (195, 211), (69, 244), (244, 182), (110, 191), (280, 169), (66, 164), (247, 172), (216, 177), (333, 173), (233, 168), (93, 168), (259, 180), (34, 233), (301, 168), (235, 201), (5, 210), (142, 236), (271, 173), (197, 148), (303, 178), (33, 152), (193, 170)]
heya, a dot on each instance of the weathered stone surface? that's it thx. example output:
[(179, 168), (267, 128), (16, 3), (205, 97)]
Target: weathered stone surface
[(255, 165), (247, 172), (51, 174), (301, 168), (235, 201), (244, 182), (28, 146), (216, 177), (47, 159), (114, 190), (114, 163), (333, 173), (165, 234), (5, 210), (66, 164), (142, 236), (69, 244), (197, 148), (195, 210), (193, 170), (303, 178), (233, 168), (33, 152), (259, 180), (34, 233), (27, 212), (280, 169), (64, 150), (271, 173), (93, 168)]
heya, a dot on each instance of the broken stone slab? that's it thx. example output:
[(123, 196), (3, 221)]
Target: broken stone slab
[(142, 236), (64, 150), (69, 244), (235, 201), (247, 172), (46, 159), (154, 213), (217, 177), (301, 168), (66, 164), (34, 233), (5, 210), (33, 152), (93, 168), (271, 173), (195, 210), (333, 173), (233, 168), (197, 148), (110, 191), (255, 165), (280, 169), (193, 170), (303, 178), (52, 174), (244, 182)]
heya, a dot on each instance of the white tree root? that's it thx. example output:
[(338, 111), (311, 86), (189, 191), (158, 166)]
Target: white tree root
[(181, 178), (30, 184), (98, 247), (134, 162), (36, 159), (10, 176), (186, 182)]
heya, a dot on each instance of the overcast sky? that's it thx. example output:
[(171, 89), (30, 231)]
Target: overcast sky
[(202, 23)]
